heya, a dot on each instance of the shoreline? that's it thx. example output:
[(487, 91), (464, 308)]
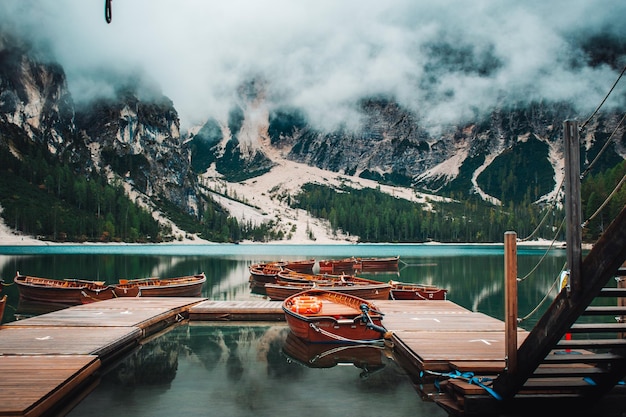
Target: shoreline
[(9, 238)]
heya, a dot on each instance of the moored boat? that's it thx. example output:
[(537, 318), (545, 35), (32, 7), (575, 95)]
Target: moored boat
[(338, 265), (410, 291), (297, 282), (63, 291), (266, 272), (320, 316), (78, 291), (185, 286), (305, 265), (378, 264)]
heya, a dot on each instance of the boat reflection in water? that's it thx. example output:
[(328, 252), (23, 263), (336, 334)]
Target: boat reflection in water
[(369, 358), (236, 370)]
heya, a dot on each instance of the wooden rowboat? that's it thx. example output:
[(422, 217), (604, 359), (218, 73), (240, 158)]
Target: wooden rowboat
[(320, 316), (338, 265), (378, 264), (348, 284), (77, 291), (266, 272), (62, 291), (410, 291), (305, 265), (185, 286)]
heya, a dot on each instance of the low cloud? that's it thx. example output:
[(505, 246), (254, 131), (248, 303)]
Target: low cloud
[(446, 60)]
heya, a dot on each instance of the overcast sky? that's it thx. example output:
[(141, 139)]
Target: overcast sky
[(322, 55)]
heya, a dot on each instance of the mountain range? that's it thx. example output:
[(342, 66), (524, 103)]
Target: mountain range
[(512, 155)]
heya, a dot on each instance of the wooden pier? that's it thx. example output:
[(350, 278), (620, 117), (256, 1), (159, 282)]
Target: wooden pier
[(52, 361), (48, 363)]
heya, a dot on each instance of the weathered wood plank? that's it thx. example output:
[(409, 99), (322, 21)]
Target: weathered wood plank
[(237, 310), (58, 340), (35, 393)]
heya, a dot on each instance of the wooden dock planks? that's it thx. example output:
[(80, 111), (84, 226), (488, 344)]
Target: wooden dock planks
[(60, 340), (429, 335), (238, 310), (48, 360), (33, 385), (436, 333)]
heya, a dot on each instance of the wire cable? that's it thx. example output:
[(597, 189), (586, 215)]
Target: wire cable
[(606, 145), (551, 207), (602, 102), (545, 298), (544, 255), (608, 199)]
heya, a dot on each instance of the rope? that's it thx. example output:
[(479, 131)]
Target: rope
[(338, 349), (602, 103), (344, 339), (544, 255), (108, 12), (608, 141), (551, 207), (470, 378), (519, 320), (608, 199)]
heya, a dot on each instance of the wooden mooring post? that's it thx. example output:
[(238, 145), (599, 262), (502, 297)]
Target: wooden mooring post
[(573, 210), (510, 302)]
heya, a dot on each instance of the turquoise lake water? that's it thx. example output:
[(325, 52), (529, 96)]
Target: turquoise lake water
[(245, 370)]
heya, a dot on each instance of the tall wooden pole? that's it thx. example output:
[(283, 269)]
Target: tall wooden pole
[(510, 302), (573, 205)]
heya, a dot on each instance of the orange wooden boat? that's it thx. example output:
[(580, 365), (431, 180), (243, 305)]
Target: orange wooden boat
[(266, 272), (305, 265), (320, 316), (289, 283), (78, 291), (410, 291), (63, 291), (378, 264), (185, 286), (338, 265)]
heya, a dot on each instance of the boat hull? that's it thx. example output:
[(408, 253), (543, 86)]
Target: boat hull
[(378, 264), (189, 286), (69, 292), (301, 266), (281, 291), (72, 292), (337, 319), (338, 265), (418, 294), (411, 291)]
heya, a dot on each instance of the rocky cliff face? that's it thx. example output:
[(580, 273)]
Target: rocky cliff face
[(140, 141), (134, 135), (513, 154), (34, 98)]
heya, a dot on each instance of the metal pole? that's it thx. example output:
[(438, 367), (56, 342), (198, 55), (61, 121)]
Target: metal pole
[(510, 302), (572, 205)]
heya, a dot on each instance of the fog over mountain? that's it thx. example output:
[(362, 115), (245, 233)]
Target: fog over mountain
[(449, 60)]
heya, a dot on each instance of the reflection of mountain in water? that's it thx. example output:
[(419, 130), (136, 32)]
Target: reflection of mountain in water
[(155, 363)]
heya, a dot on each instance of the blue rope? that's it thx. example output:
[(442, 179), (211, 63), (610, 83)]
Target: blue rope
[(470, 378)]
